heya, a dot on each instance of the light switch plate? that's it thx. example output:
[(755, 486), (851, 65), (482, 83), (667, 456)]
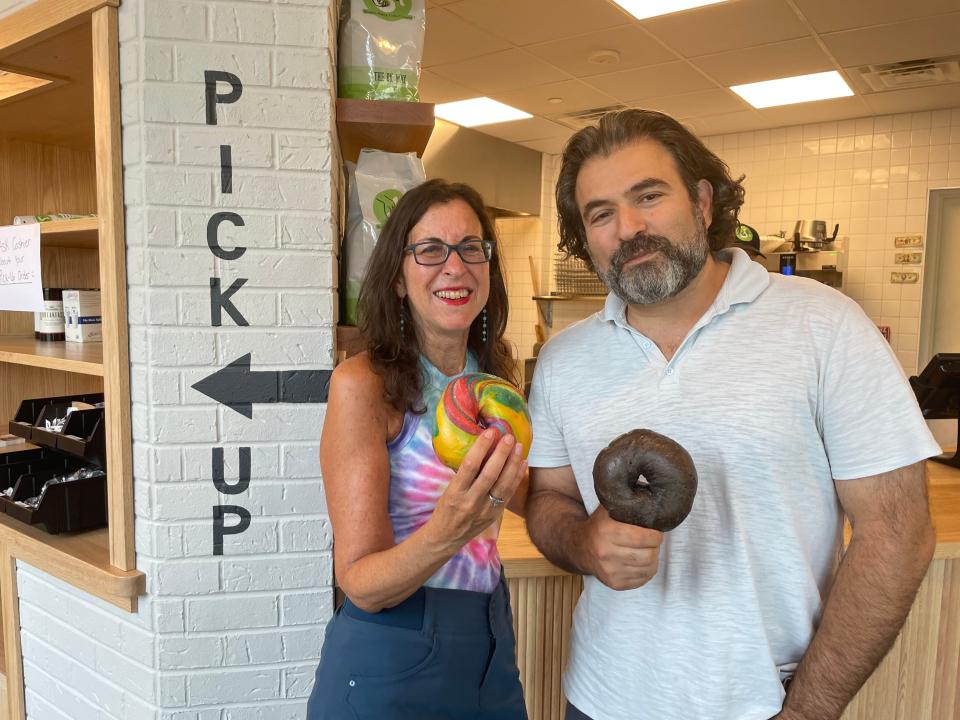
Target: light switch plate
[(913, 258), (901, 241), (904, 278)]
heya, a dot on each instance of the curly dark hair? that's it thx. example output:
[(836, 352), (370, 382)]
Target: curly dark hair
[(395, 355), (693, 159)]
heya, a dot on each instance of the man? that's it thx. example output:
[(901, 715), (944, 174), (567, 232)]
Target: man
[(748, 240), (710, 620)]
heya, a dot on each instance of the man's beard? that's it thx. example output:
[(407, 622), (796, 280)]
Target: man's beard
[(657, 278)]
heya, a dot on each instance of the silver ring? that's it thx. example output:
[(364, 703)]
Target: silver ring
[(494, 500)]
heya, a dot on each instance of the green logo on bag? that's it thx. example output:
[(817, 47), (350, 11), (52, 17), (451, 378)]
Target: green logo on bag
[(384, 203), (744, 234), (389, 9)]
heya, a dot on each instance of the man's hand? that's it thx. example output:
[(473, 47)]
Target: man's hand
[(622, 557)]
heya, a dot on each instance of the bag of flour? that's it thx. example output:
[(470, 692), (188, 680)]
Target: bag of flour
[(376, 183), (381, 43)]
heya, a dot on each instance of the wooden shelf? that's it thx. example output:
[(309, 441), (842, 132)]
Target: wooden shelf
[(81, 559), (81, 233), (83, 358), (399, 127)]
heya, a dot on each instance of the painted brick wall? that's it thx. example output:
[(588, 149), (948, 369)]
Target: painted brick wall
[(235, 635)]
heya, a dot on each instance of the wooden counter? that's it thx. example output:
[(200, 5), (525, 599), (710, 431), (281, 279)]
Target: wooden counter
[(918, 680)]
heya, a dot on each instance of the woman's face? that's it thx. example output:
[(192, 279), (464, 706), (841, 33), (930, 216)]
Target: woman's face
[(445, 299)]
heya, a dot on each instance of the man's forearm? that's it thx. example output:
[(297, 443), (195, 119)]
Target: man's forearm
[(870, 599), (556, 524)]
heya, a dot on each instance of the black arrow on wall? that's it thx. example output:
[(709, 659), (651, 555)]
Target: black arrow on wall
[(238, 387)]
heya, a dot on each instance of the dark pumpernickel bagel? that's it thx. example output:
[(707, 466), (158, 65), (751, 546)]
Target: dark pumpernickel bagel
[(645, 478)]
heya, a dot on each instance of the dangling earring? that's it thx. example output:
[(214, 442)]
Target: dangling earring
[(401, 319), (483, 332)]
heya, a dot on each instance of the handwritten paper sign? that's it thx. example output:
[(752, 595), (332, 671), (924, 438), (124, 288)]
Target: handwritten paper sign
[(20, 287)]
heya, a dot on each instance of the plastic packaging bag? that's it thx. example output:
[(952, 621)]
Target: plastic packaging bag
[(376, 183), (381, 44)]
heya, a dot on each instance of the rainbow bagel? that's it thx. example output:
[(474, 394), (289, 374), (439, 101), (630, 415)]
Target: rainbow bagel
[(469, 405)]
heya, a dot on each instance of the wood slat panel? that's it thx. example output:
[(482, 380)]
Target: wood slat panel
[(542, 611), (918, 678)]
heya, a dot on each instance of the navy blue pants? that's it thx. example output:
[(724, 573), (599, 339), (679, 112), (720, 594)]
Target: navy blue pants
[(438, 655)]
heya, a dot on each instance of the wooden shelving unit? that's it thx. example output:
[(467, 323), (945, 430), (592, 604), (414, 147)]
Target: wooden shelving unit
[(60, 153), (399, 127), (83, 358), (80, 233)]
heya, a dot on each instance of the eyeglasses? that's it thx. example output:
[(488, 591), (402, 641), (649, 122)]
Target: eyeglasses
[(434, 252)]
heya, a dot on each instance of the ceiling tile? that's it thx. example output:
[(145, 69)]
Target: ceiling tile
[(435, 89), (915, 39), (830, 15), (654, 81), (523, 22), (506, 70), (521, 130), (636, 49), (575, 94), (727, 26), (765, 62), (928, 98), (819, 111), (449, 39), (552, 146), (706, 102)]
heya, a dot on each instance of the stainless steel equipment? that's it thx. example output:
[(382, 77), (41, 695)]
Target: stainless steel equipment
[(812, 234)]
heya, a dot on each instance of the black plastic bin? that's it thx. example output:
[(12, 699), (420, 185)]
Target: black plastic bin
[(28, 422), (65, 507)]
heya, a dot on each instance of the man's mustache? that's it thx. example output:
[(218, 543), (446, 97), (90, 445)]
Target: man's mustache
[(638, 245)]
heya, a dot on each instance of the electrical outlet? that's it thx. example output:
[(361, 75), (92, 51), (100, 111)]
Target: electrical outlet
[(901, 241), (904, 278), (908, 258)]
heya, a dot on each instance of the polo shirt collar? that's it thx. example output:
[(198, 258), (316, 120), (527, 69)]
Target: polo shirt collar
[(745, 282)]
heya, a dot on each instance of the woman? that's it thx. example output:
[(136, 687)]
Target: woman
[(426, 630)]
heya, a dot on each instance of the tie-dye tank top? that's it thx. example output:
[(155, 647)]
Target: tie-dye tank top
[(418, 479)]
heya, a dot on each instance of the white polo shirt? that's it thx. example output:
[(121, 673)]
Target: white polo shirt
[(782, 387)]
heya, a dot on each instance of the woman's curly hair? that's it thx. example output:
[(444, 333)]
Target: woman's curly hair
[(694, 162)]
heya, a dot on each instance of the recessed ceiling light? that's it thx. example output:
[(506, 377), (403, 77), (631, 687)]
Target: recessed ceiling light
[(790, 90), (14, 83), (643, 9), (555, 100), (478, 111)]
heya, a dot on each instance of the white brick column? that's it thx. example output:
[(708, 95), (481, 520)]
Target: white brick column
[(232, 635)]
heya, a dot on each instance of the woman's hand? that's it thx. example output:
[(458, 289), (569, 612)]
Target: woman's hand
[(465, 508)]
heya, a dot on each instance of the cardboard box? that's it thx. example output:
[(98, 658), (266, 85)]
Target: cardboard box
[(81, 316)]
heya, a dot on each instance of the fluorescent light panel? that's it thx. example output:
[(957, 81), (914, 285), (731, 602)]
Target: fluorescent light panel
[(791, 90), (478, 111), (13, 83), (643, 9)]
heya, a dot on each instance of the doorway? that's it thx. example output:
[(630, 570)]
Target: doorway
[(939, 323)]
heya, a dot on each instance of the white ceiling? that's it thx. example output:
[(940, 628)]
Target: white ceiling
[(524, 52)]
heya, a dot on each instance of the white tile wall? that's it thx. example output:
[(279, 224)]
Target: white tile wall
[(871, 175)]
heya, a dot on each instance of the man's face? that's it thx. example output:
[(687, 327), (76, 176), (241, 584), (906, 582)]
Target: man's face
[(645, 236)]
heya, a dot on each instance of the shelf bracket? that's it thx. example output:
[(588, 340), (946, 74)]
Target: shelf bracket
[(546, 309)]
